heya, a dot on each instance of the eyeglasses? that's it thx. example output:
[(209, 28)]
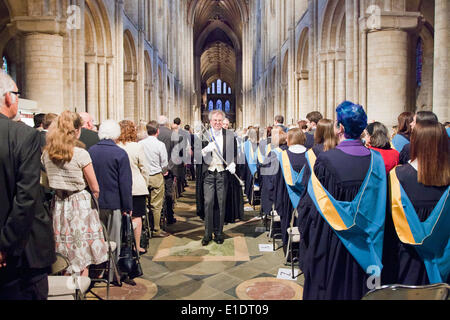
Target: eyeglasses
[(16, 93)]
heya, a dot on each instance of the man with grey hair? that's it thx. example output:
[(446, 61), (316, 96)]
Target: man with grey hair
[(27, 246), (221, 145)]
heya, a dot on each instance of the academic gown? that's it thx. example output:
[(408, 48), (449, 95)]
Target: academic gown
[(235, 198), (263, 167), (410, 268), (248, 177), (283, 204), (331, 272), (269, 171), (318, 149)]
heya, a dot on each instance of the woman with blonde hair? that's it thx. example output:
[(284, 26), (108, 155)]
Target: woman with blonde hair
[(78, 231), (140, 176), (324, 137)]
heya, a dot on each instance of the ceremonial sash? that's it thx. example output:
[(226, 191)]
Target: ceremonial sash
[(398, 142), (430, 238), (262, 155), (292, 178), (251, 157), (359, 224)]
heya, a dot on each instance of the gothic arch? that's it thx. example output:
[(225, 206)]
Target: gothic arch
[(130, 77), (98, 54), (332, 61), (148, 86), (303, 70)]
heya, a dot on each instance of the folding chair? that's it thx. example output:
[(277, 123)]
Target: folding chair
[(110, 265), (256, 191), (275, 226), (438, 291), (73, 287), (294, 237)]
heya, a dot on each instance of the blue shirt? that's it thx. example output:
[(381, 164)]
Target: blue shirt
[(112, 168)]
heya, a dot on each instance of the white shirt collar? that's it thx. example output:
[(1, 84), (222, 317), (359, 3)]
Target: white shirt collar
[(414, 164), (217, 133), (297, 148)]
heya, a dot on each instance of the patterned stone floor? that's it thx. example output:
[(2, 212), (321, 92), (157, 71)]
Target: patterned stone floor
[(179, 268)]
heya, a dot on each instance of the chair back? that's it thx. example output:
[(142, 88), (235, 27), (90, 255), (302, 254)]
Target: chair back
[(439, 291)]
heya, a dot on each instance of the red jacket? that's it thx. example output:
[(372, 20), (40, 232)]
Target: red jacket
[(390, 157)]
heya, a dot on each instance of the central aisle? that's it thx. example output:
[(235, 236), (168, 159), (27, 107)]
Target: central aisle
[(178, 267)]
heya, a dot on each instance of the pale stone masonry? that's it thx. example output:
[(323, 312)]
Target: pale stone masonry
[(136, 59)]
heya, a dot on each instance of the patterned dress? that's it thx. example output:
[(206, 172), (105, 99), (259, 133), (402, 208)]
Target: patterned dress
[(76, 223)]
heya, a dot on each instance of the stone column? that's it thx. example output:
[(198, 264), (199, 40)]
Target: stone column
[(92, 90), (322, 102), (102, 96), (110, 87), (43, 72), (441, 87), (386, 81), (330, 87)]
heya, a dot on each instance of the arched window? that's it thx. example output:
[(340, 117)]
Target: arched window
[(5, 65), (219, 105), (211, 105), (227, 106), (419, 62), (229, 90), (209, 90), (213, 88), (219, 86), (224, 88)]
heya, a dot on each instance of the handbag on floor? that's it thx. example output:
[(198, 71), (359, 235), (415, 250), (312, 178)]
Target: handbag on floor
[(129, 259)]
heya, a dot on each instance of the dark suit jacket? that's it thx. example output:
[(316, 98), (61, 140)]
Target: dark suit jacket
[(26, 229), (89, 138), (165, 136), (112, 168)]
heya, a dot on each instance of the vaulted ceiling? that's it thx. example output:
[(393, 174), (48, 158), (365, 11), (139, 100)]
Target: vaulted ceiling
[(218, 37)]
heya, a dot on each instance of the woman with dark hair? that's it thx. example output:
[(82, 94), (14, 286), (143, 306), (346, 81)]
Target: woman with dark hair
[(403, 131), (342, 214), (420, 207), (377, 139), (140, 175), (324, 137), (419, 116)]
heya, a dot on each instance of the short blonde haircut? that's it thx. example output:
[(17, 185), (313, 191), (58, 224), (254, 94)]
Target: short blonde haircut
[(296, 136)]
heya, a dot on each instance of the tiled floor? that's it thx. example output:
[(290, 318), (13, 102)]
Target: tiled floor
[(180, 268)]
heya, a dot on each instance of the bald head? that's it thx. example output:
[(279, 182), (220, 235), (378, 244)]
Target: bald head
[(87, 120)]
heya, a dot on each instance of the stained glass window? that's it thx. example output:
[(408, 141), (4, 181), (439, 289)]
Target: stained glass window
[(213, 88), (227, 106), (209, 90), (211, 105), (219, 105), (5, 65), (419, 62), (229, 90), (224, 88), (219, 86)]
